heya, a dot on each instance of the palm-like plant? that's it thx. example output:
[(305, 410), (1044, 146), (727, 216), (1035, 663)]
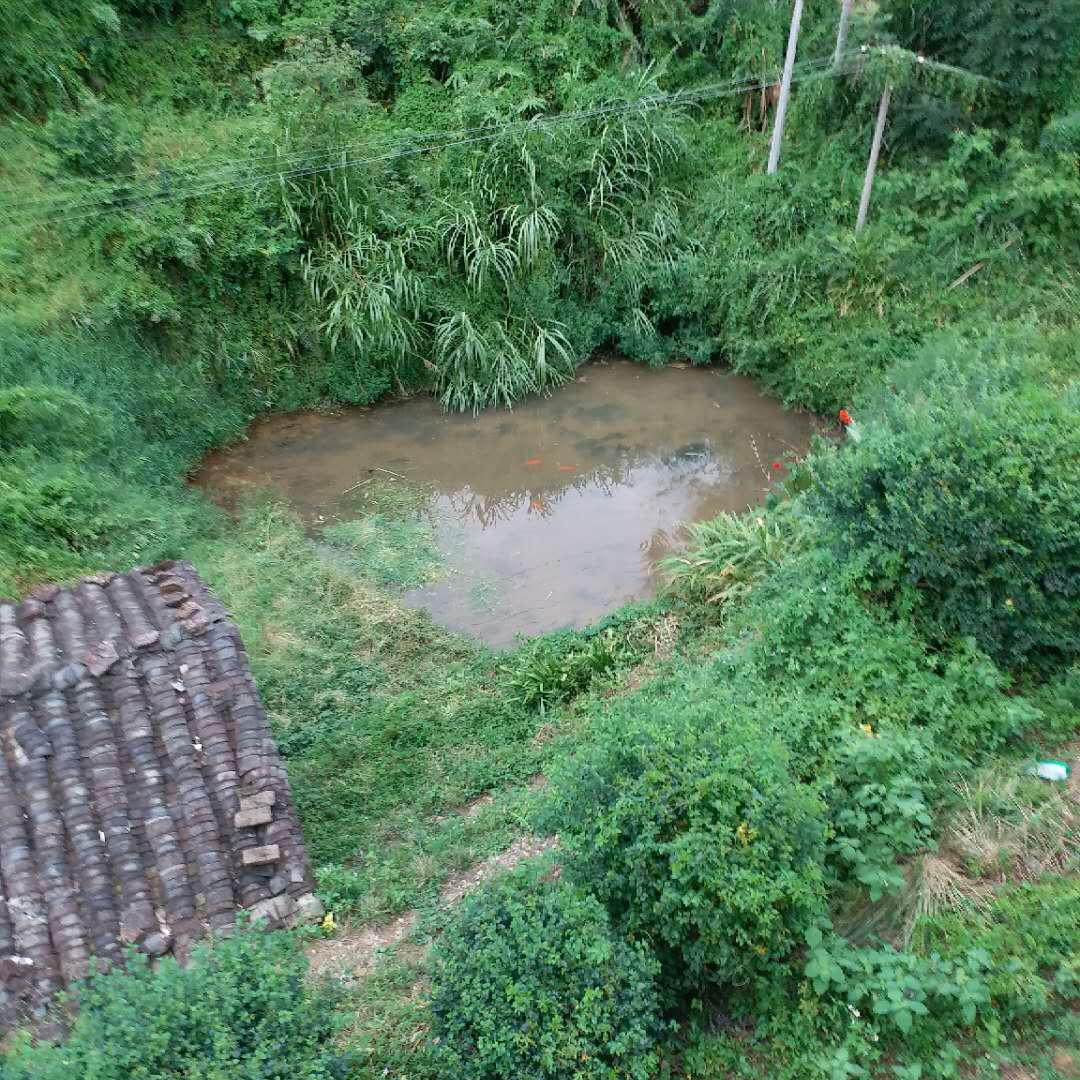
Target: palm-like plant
[(727, 556), (630, 154), (477, 366), (474, 247), (528, 220), (368, 291)]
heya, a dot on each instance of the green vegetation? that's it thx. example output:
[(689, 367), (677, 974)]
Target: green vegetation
[(155, 268), (583, 1001), (239, 1010), (959, 503), (798, 838), (689, 827), (554, 669), (364, 696)]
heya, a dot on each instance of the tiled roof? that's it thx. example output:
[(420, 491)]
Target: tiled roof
[(142, 799)]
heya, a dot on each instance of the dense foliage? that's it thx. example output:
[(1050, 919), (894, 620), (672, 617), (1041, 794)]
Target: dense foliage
[(959, 504), (878, 808), (690, 829), (233, 207), (797, 836), (239, 1011), (530, 981), (1024, 46)]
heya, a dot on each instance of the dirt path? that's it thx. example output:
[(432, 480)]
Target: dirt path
[(354, 951)]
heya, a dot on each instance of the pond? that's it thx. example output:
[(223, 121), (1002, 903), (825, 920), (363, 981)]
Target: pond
[(548, 515)]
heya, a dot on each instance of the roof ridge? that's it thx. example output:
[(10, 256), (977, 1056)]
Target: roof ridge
[(59, 634)]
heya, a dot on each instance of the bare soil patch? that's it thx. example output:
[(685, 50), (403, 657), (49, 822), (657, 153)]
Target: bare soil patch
[(353, 951)]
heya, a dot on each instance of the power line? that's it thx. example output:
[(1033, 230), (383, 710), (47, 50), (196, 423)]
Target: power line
[(197, 186), (123, 179), (231, 170), (305, 164)]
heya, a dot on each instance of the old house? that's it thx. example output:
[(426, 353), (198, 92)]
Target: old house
[(142, 799)]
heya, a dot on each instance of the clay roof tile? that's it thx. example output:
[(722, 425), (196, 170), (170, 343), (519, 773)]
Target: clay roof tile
[(127, 716)]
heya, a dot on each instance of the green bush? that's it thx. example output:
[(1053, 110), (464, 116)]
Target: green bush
[(820, 653), (958, 503), (46, 50), (687, 824), (240, 1010), (1062, 135), (553, 669), (530, 983), (902, 988), (982, 969), (101, 140), (727, 556), (878, 808), (1030, 932)]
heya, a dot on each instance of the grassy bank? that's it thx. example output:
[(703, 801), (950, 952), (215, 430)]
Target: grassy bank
[(162, 287), (415, 757), (797, 832)]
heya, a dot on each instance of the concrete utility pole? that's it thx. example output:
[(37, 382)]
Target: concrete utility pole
[(841, 31), (871, 165), (785, 88)]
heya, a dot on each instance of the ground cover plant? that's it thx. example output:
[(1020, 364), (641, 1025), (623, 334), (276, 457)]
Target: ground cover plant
[(584, 1000), (240, 1009), (797, 834)]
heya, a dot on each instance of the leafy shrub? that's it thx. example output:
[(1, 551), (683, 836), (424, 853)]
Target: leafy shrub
[(241, 1009), (530, 983), (959, 503), (1028, 47), (61, 505), (978, 968), (901, 987), (49, 417), (1062, 134), (688, 826), (46, 49), (878, 808), (47, 508), (553, 669), (48, 497), (261, 13), (370, 28), (97, 141), (727, 556), (828, 658), (1030, 933)]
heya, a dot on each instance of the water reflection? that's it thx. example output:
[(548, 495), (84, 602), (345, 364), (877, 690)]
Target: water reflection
[(548, 515)]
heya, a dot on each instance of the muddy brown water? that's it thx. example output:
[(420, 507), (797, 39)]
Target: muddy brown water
[(548, 515)]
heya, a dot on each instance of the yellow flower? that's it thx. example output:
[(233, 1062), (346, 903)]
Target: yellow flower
[(866, 729), (328, 923), (744, 834)]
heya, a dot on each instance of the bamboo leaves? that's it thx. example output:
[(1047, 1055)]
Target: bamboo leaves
[(477, 366), (472, 248), (490, 293), (630, 154), (369, 292), (532, 231)]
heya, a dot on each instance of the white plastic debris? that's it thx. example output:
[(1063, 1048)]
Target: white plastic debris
[(1051, 770)]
